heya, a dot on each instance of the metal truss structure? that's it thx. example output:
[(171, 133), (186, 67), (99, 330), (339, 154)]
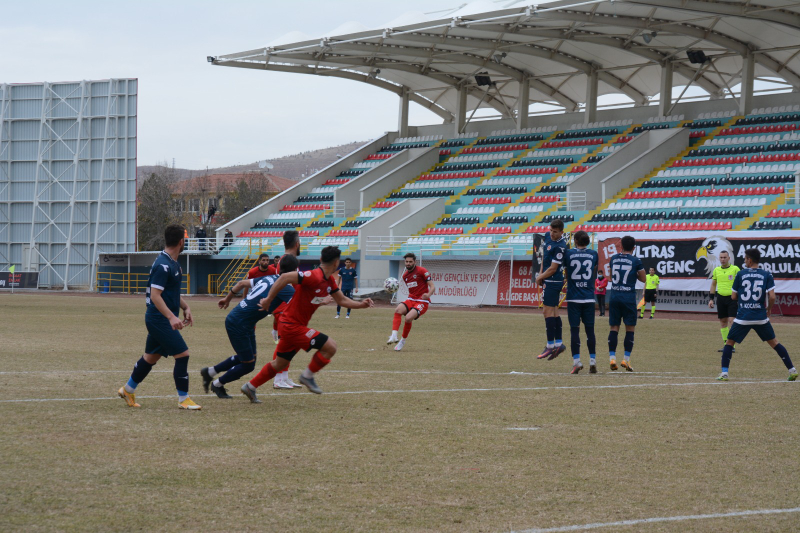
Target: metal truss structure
[(67, 177)]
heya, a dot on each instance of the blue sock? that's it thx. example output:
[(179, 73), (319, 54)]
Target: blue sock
[(181, 375), (784, 355), (140, 371), (575, 341), (559, 336), (242, 369), (591, 341), (628, 343), (338, 308), (727, 353), (612, 343), (227, 364), (551, 330)]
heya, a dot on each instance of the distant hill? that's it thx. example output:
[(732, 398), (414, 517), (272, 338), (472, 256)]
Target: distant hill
[(294, 167)]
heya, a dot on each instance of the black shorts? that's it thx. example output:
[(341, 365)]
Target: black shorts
[(726, 307), (650, 295)]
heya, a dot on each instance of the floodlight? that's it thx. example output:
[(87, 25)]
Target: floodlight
[(498, 58), (211, 59), (696, 56), (482, 78), (648, 37)]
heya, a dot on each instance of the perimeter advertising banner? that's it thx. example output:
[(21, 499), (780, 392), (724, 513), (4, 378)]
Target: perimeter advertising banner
[(19, 280)]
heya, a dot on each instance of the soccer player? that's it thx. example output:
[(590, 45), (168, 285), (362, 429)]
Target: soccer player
[(722, 286), (650, 292), (420, 290), (754, 289), (312, 288), (241, 327), (625, 269), (552, 279), (580, 266), (275, 264), (348, 281), (164, 302)]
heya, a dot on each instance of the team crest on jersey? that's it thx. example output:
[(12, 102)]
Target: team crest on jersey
[(166, 268), (310, 333)]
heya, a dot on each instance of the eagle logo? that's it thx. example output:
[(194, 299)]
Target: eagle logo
[(710, 250)]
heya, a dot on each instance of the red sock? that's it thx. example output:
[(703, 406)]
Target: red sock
[(275, 354), (317, 363), (264, 375), (396, 322), (406, 329)]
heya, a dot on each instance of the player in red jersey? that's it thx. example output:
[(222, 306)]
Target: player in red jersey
[(312, 288), (420, 290), (261, 269)]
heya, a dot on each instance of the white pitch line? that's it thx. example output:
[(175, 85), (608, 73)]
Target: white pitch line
[(421, 391), (599, 525), (523, 429)]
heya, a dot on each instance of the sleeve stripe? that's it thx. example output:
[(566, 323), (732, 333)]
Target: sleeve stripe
[(154, 286)]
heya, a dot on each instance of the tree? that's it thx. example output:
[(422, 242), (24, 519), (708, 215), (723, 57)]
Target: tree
[(158, 208), (249, 192)]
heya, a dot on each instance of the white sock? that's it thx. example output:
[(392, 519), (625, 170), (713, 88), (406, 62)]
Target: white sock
[(308, 374), (394, 333), (591, 361), (216, 383), (128, 389), (551, 345), (559, 343), (627, 358), (274, 332), (182, 397), (793, 370), (212, 372)]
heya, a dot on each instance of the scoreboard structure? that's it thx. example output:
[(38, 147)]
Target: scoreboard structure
[(67, 177)]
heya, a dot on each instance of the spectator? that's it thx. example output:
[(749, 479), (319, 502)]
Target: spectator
[(201, 237), (600, 285)]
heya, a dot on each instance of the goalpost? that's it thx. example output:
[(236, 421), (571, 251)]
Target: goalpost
[(475, 282)]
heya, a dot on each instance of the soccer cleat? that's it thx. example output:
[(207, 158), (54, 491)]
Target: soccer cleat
[(555, 352), (613, 364), (129, 398), (576, 368), (722, 377), (400, 345), (250, 393), (220, 392), (392, 340), (189, 404), (281, 385), (337, 316), (793, 376), (626, 365), (347, 316), (545, 353), (651, 317), (207, 379), (593, 369), (311, 384), (292, 383)]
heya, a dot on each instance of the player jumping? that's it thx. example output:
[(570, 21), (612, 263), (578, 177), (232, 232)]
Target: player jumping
[(241, 327), (552, 279), (312, 288), (754, 289), (626, 269), (580, 265), (164, 302), (420, 290)]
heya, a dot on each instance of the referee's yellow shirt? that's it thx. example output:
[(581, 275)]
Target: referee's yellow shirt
[(651, 282), (724, 278)]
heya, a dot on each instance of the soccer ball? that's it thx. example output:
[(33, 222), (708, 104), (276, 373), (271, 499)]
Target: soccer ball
[(391, 285)]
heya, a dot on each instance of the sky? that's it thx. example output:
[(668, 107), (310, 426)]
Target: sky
[(203, 115)]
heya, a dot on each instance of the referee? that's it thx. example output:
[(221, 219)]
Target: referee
[(650, 292), (721, 285)]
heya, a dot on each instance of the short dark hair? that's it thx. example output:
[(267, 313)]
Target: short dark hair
[(329, 254), (290, 238), (628, 243), (262, 256), (557, 224), (346, 259), (173, 235), (277, 257), (753, 254), (581, 238), (289, 263), (411, 255)]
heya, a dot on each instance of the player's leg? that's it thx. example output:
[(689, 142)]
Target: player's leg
[(653, 305), (551, 294), (275, 327), (736, 334), (574, 319), (180, 373), (318, 361), (240, 342), (416, 312), (614, 321), (246, 363), (140, 370), (348, 294), (399, 312), (627, 345), (267, 372), (767, 334), (281, 380), (591, 343), (601, 303)]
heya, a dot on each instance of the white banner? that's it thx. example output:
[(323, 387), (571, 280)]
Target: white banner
[(463, 282)]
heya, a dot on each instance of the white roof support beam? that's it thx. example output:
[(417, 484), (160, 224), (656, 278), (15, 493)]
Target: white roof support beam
[(461, 110), (665, 98), (523, 101), (748, 78), (590, 114), (402, 115)]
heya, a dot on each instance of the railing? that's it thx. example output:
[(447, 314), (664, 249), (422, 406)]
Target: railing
[(202, 246), (213, 283), (792, 192), (399, 245), (573, 201), (134, 283)]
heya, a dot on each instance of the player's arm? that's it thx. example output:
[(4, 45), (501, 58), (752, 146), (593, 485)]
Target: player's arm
[(355, 281), (280, 283), (242, 285), (770, 300), (642, 275), (188, 319), (552, 269), (344, 301), (158, 301), (712, 293)]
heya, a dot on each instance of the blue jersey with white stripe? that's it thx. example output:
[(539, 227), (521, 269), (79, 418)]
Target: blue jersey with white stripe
[(553, 253), (751, 287), (247, 313), (166, 275), (580, 267), (624, 275)]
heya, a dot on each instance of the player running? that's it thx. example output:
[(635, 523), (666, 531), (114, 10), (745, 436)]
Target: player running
[(241, 327), (164, 302), (651, 282), (552, 280), (722, 286), (580, 266), (348, 281), (420, 290), (754, 289), (312, 288), (625, 269)]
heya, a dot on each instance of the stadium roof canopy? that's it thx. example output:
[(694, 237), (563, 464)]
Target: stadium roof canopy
[(563, 53)]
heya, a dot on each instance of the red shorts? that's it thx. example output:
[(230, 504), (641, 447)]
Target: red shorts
[(280, 309), (293, 338), (419, 307)]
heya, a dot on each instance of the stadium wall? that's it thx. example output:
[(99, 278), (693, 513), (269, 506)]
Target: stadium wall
[(421, 160)]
